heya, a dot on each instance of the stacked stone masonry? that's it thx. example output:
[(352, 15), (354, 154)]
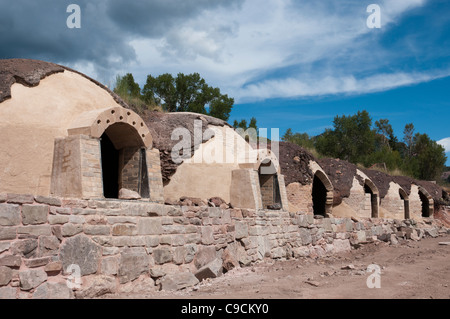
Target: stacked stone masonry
[(131, 169), (130, 245)]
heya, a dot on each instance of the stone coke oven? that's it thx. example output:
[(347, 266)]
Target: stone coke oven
[(244, 175), (110, 151), (68, 135)]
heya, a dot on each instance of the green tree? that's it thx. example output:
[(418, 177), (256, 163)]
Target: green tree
[(253, 123), (301, 139), (161, 89), (351, 139), (187, 93), (428, 158), (126, 86), (392, 159), (241, 124), (252, 134), (384, 128), (408, 138)]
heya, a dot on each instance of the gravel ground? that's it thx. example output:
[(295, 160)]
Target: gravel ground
[(407, 271)]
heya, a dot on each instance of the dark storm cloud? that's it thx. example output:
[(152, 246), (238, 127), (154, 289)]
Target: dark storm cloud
[(155, 17), (38, 30)]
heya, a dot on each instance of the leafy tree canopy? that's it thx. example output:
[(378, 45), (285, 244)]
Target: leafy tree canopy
[(187, 93), (354, 139)]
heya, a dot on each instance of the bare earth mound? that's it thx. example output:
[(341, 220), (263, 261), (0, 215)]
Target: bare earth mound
[(341, 174), (294, 162)]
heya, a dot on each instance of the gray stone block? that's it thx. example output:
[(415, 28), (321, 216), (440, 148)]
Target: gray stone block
[(37, 262), (8, 293), (5, 275), (178, 281), (179, 255), (25, 248), (34, 214), (305, 236), (58, 219), (132, 263), (48, 245), (150, 226), (48, 200), (109, 265), (81, 251), (9, 215), (162, 255), (211, 270), (124, 230), (69, 230), (432, 232), (191, 250), (30, 279), (50, 290), (240, 230), (204, 256), (8, 233), (4, 246), (96, 230), (20, 198), (35, 230), (207, 235), (10, 261), (96, 286)]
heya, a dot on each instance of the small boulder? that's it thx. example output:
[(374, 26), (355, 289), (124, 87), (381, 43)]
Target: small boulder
[(51, 290), (211, 270), (178, 281), (96, 286), (30, 279), (128, 194), (5, 275)]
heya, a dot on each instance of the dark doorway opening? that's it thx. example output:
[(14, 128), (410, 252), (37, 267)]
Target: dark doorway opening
[(110, 167), (425, 204), (319, 196)]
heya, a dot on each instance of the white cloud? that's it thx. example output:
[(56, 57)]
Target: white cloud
[(280, 49), (318, 86), (445, 142)]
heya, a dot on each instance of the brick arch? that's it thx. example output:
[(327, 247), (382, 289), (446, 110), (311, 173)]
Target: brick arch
[(427, 202), (405, 198), (127, 126), (326, 199), (325, 180), (370, 187), (267, 166), (403, 194)]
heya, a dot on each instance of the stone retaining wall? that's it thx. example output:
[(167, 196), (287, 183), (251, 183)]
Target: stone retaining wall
[(121, 246)]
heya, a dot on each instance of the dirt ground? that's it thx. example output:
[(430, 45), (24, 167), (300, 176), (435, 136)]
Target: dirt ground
[(412, 270)]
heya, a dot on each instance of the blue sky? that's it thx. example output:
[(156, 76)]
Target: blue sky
[(288, 63)]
